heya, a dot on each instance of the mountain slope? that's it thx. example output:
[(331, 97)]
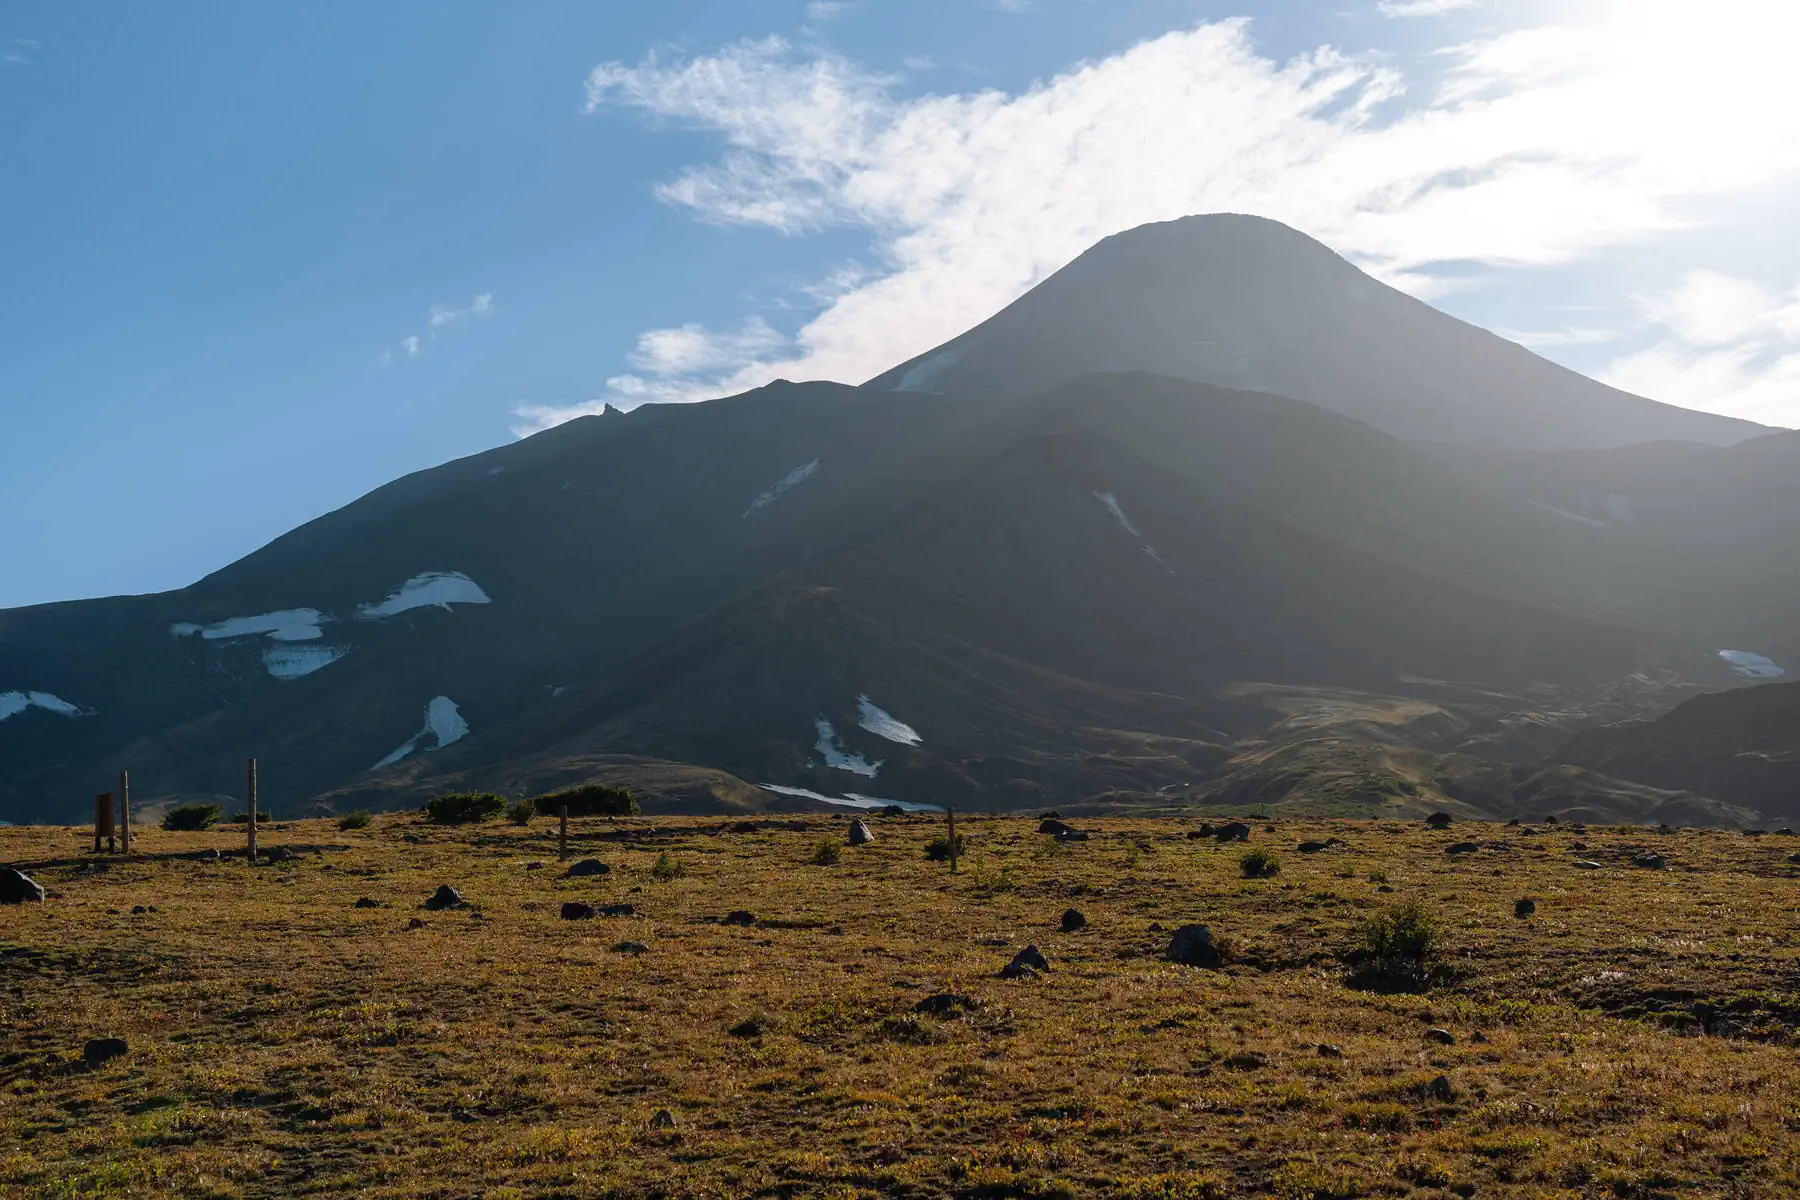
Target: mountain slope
[(1244, 302)]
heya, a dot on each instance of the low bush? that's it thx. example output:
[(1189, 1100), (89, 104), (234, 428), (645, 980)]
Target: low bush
[(190, 817), (520, 812), (826, 853), (667, 868), (1259, 864), (938, 849), (1396, 949), (463, 808), (354, 820), (589, 800)]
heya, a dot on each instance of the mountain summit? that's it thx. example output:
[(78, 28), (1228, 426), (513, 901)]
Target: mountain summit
[(1246, 302)]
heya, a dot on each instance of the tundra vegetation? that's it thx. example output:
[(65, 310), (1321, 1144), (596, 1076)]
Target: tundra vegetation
[(1386, 1023)]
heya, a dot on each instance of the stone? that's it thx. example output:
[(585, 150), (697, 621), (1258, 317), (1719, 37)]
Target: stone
[(589, 866), (945, 1005), (1027, 962), (16, 887), (1784, 831), (138, 908), (1385, 889), (1442, 1037), (279, 854), (1582, 864), (1578, 845), (1794, 858), (860, 833), (574, 910), (1327, 1050), (1054, 827), (367, 902), (1523, 908), (740, 917), (1439, 820), (1310, 847), (103, 1050), (1439, 1089), (664, 1119), (534, 866), (1550, 818), (445, 897), (1073, 919), (617, 910), (1650, 862), (893, 810), (1052, 815), (411, 839), (1232, 831), (1462, 848), (1192, 946), (416, 923), (631, 948)]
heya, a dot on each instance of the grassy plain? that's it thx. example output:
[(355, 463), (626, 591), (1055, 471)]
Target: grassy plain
[(1633, 1038)]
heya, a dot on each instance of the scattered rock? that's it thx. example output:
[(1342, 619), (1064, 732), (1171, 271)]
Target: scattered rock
[(617, 910), (1794, 858), (1462, 848), (1054, 827), (1650, 862), (279, 854), (534, 866), (103, 1050), (1327, 1050), (1550, 818), (860, 833), (574, 910), (1523, 908), (1249, 1060), (1205, 831), (416, 923), (1310, 847), (1442, 1037), (16, 887), (1052, 815), (367, 902), (1333, 843), (1384, 888), (1582, 864), (1440, 1090), (1233, 831), (1439, 820), (208, 855), (589, 866), (138, 908), (631, 948), (445, 897), (740, 917), (1479, 1038), (1192, 946), (945, 1005), (664, 1119), (411, 839), (1784, 831), (1578, 845), (1027, 962), (1073, 919), (893, 810)]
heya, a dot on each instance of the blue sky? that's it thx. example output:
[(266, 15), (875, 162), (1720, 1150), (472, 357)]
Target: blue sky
[(220, 224)]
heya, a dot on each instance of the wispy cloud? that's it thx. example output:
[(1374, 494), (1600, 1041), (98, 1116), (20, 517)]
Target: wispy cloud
[(1420, 8), (20, 51), (1726, 345), (479, 306), (825, 10), (410, 345), (1537, 147)]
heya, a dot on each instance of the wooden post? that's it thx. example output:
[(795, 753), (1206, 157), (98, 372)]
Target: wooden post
[(125, 810), (250, 790), (562, 838), (951, 813), (103, 821)]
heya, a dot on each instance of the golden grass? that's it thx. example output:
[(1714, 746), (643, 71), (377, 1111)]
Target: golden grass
[(285, 1043)]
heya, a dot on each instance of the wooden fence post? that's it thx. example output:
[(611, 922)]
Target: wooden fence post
[(250, 789), (562, 838), (103, 821), (125, 810), (951, 813)]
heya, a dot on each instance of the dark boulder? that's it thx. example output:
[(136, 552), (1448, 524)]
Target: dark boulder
[(617, 910), (574, 910), (1232, 831), (16, 887), (1442, 1037), (860, 833), (945, 1005), (740, 917), (1310, 847), (446, 897), (1027, 962), (588, 866), (631, 948), (1073, 919), (1524, 908), (1462, 848), (367, 902), (1192, 946), (103, 1050), (1439, 820), (1650, 862)]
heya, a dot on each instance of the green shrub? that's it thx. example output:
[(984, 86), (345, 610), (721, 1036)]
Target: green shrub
[(463, 808), (355, 820), (826, 852), (667, 868), (938, 849), (520, 812), (1396, 948), (1259, 864), (190, 817), (589, 800), (243, 818)]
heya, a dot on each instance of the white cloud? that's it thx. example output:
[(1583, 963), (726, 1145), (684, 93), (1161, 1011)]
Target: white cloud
[(1420, 8), (410, 345), (479, 306), (1536, 147), (1728, 345), (825, 10)]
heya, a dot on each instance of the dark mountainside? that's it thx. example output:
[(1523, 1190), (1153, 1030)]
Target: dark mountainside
[(1112, 591), (1245, 302)]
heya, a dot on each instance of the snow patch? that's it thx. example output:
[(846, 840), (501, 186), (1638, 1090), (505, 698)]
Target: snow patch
[(1751, 666), (14, 703), (1112, 504), (850, 800), (438, 589), (884, 724), (443, 725), (917, 378), (1563, 512), (293, 662), (834, 754), (288, 625), (496, 470), (793, 478)]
